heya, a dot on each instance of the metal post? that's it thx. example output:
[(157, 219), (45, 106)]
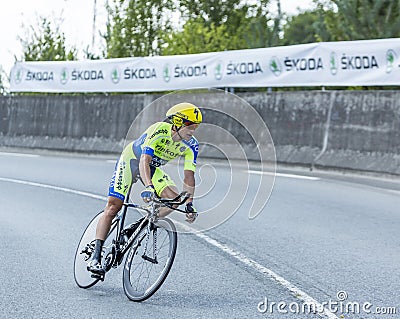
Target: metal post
[(94, 24)]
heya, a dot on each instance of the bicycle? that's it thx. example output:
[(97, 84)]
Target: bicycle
[(148, 262)]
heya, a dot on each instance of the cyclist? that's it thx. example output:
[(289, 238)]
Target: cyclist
[(160, 143)]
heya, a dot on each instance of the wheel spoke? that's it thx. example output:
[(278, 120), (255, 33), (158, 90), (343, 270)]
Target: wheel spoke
[(143, 277)]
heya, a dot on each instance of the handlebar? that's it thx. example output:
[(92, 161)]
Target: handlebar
[(174, 201), (168, 202)]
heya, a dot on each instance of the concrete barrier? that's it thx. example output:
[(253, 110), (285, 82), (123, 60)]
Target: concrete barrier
[(342, 129), (361, 129)]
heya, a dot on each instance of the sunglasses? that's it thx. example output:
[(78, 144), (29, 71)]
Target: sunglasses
[(188, 123)]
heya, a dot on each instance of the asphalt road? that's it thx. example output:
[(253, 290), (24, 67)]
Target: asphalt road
[(315, 238)]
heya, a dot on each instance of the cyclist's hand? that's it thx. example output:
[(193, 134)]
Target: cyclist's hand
[(191, 213), (147, 194)]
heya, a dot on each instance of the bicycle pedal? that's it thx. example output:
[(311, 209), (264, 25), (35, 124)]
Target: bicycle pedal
[(97, 276)]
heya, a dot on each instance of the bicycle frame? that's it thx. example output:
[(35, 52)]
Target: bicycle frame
[(151, 211), (124, 240), (121, 221)]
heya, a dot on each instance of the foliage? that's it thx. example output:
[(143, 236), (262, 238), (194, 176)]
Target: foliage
[(215, 26), (196, 37), (214, 12), (46, 43), (2, 80), (164, 27), (301, 28), (262, 29), (342, 20), (361, 19), (89, 55), (136, 27)]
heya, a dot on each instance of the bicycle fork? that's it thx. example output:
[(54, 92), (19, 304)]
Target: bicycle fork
[(144, 256)]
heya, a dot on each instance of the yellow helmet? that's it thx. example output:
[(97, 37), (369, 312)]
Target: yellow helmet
[(184, 114)]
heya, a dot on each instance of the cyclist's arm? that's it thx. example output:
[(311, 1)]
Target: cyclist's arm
[(153, 134), (189, 184), (144, 169)]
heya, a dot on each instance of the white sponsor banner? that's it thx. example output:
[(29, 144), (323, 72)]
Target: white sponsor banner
[(347, 63)]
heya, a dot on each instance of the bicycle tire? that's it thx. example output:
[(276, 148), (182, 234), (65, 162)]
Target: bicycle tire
[(81, 275), (135, 260)]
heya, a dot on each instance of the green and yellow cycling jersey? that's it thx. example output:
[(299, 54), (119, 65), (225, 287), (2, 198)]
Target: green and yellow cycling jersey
[(157, 142)]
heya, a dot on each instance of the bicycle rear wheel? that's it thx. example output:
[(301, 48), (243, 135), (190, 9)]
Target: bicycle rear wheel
[(145, 270), (82, 276)]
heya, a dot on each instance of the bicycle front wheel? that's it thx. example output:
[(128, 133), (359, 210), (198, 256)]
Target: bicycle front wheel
[(149, 260)]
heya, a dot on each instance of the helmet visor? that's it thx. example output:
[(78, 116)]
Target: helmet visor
[(188, 123)]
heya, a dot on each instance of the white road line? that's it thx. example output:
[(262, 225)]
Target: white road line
[(394, 191), (19, 154), (284, 175), (57, 188), (295, 291)]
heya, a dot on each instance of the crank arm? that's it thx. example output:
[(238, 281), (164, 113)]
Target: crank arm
[(152, 260)]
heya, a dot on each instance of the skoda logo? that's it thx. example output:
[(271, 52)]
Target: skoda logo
[(333, 63), (64, 76), (18, 76), (167, 73), (115, 76), (218, 71), (390, 58), (275, 66)]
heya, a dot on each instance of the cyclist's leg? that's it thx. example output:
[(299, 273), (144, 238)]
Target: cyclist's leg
[(113, 206), (119, 187), (164, 187)]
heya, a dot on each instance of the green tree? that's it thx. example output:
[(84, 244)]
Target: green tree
[(301, 28), (89, 55), (197, 37), (213, 12), (145, 28), (137, 27), (212, 25), (2, 80), (46, 43), (261, 28), (361, 19)]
